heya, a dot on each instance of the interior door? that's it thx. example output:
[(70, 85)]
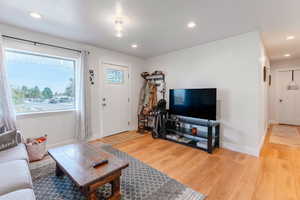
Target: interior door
[(115, 101), (289, 100)]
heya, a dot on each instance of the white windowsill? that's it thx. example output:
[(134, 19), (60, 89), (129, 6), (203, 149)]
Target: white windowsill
[(45, 113)]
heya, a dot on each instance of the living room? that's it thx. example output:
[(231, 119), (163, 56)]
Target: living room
[(74, 79)]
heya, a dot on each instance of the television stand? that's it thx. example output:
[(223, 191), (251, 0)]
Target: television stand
[(197, 133)]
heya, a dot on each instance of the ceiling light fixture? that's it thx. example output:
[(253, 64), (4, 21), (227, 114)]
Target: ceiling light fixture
[(35, 15), (119, 28), (134, 46), (119, 34), (119, 22), (191, 25), (287, 55), (291, 37)]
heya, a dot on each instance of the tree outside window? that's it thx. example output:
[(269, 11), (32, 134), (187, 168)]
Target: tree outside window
[(40, 83)]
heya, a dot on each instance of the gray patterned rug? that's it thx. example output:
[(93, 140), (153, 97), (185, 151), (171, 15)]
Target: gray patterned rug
[(138, 182)]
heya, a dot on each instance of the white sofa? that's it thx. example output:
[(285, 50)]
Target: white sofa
[(15, 178)]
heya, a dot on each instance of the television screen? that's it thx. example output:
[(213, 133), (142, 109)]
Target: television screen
[(196, 103)]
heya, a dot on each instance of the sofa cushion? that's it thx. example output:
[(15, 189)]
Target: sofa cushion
[(15, 175), (16, 153), (26, 194)]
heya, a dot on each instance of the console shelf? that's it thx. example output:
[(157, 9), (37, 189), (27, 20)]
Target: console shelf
[(207, 137), (187, 131)]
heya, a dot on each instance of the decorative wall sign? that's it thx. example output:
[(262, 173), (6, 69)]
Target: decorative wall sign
[(293, 85), (265, 73), (92, 76)]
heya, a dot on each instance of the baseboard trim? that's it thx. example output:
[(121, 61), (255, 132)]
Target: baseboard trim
[(273, 121), (70, 141), (94, 137), (261, 144), (242, 149)]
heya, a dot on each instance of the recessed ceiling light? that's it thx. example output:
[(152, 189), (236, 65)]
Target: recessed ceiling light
[(191, 25), (287, 55), (35, 15), (134, 46), (119, 34), (291, 37)]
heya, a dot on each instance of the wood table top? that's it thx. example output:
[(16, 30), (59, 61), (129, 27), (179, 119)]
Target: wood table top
[(76, 161)]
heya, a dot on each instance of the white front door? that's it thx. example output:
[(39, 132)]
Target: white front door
[(115, 100), (289, 100)]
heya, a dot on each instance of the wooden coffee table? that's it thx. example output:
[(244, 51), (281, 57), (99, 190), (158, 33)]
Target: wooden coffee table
[(75, 160)]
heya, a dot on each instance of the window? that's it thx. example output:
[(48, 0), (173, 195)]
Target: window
[(114, 76), (40, 83)]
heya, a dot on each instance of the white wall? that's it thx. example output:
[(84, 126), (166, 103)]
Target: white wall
[(233, 66), (60, 126), (273, 100), (263, 117)]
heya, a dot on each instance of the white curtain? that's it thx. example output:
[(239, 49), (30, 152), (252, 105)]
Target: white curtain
[(7, 113), (83, 110)]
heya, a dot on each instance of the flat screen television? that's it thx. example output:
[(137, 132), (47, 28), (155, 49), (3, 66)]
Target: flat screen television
[(196, 103)]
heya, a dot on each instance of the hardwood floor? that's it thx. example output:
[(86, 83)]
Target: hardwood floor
[(224, 175), (121, 137)]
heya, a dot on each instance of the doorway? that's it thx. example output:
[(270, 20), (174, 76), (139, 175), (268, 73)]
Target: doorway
[(115, 101), (288, 97)]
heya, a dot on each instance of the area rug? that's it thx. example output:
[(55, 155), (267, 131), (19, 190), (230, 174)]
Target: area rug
[(138, 182), (286, 135)]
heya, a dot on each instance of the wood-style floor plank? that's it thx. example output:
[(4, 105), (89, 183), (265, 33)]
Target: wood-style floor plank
[(224, 175)]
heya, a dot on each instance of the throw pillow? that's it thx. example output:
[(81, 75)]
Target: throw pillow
[(8, 140), (2, 128)]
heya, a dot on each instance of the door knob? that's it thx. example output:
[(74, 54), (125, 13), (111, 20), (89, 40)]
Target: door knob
[(280, 100)]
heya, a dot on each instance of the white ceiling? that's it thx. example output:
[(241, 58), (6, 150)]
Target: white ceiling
[(159, 26)]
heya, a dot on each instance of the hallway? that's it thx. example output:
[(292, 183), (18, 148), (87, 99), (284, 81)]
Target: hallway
[(279, 176)]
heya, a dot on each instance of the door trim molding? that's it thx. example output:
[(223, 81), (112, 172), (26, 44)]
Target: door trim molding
[(101, 93)]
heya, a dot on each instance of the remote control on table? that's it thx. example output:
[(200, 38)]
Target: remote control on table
[(102, 162)]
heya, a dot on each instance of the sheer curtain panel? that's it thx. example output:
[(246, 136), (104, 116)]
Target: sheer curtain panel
[(83, 110), (7, 113)]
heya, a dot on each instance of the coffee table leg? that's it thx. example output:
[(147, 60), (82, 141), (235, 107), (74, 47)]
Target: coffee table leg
[(116, 194), (92, 196), (58, 171)]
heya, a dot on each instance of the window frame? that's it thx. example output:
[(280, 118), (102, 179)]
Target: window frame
[(115, 83), (37, 53)]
